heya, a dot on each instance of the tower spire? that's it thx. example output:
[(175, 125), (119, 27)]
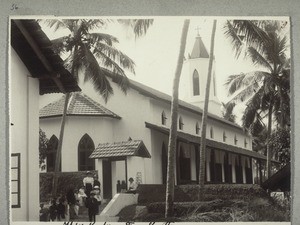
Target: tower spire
[(198, 29)]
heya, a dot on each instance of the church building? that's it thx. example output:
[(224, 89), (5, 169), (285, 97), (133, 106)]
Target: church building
[(128, 135)]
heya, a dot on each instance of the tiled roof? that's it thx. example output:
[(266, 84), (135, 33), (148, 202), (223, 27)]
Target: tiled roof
[(121, 149), (155, 94), (35, 50), (210, 143), (79, 105)]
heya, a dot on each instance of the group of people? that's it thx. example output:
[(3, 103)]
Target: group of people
[(93, 195), (66, 207)]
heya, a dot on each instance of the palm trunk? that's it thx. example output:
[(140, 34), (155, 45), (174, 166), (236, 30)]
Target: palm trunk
[(62, 130), (173, 128), (59, 147), (204, 115), (268, 140)]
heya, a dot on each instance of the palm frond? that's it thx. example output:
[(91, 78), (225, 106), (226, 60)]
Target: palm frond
[(231, 34), (95, 74), (139, 26), (56, 24), (123, 60), (258, 59), (58, 45), (93, 24), (102, 37)]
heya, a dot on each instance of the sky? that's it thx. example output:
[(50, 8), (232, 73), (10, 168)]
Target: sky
[(155, 54)]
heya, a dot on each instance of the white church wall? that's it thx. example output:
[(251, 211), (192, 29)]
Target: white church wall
[(157, 141), (24, 95), (136, 168), (100, 129), (134, 109)]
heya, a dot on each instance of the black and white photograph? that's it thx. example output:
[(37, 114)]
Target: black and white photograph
[(150, 119)]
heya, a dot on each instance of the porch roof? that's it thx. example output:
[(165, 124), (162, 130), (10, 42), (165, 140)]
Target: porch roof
[(121, 149), (210, 143)]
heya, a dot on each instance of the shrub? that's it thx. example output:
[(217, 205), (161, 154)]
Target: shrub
[(65, 181)]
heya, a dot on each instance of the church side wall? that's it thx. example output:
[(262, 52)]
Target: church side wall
[(24, 94), (190, 119), (100, 129), (134, 109)]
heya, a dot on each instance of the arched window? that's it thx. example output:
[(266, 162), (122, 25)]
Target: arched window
[(235, 140), (196, 83), (211, 132), (224, 136), (163, 118), (197, 128), (51, 154), (245, 143), (180, 123), (85, 149)]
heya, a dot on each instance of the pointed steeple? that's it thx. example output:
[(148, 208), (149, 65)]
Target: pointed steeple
[(199, 50)]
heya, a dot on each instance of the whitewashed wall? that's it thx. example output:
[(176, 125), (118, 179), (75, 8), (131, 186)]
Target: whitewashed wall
[(24, 98)]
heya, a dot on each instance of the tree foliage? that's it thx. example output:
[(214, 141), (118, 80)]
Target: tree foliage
[(280, 144), (43, 144)]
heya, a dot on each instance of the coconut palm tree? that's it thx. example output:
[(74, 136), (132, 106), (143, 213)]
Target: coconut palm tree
[(205, 111), (92, 55), (173, 128), (265, 91)]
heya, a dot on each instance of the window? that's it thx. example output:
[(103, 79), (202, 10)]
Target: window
[(15, 180), (211, 132), (163, 118), (196, 83), (245, 143), (85, 148), (180, 123), (235, 140), (197, 128), (51, 153), (224, 136)]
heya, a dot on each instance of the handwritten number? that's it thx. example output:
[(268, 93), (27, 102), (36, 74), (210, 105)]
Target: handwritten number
[(14, 7)]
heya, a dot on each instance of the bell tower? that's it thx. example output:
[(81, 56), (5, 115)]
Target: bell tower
[(194, 79)]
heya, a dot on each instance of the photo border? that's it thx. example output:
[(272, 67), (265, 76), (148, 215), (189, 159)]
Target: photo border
[(147, 8)]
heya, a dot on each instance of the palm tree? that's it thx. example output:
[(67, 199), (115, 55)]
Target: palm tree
[(93, 55), (204, 115), (173, 128), (266, 91)]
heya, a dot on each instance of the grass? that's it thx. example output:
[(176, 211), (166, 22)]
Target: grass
[(234, 210)]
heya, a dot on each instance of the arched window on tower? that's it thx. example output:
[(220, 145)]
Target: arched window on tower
[(196, 83), (163, 118), (180, 123), (211, 132), (235, 140), (51, 154), (197, 128), (224, 136), (85, 149)]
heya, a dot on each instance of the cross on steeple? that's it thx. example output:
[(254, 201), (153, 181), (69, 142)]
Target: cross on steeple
[(197, 29)]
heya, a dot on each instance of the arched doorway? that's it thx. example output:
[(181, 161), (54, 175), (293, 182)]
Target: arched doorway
[(238, 170), (164, 163), (184, 165), (227, 169), (85, 149)]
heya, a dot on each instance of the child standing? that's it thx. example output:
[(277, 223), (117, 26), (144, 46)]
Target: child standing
[(92, 205)]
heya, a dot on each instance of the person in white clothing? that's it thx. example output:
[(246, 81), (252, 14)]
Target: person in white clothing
[(88, 183)]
